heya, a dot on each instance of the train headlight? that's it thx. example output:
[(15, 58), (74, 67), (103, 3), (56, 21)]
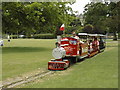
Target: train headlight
[(59, 53)]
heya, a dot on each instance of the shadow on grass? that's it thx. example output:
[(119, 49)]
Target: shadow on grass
[(23, 49), (78, 61)]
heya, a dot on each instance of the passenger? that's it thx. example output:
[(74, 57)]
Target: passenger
[(101, 43), (76, 37), (101, 40), (95, 43), (90, 45)]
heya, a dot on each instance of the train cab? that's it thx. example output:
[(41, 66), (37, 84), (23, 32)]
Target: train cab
[(70, 45)]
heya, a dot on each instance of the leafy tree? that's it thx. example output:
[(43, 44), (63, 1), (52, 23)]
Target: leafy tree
[(112, 20), (36, 17), (95, 14), (88, 28), (103, 16), (75, 25)]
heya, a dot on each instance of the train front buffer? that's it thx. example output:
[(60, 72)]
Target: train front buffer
[(58, 65)]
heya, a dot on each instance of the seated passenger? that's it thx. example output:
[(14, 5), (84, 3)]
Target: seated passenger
[(101, 43), (90, 46), (95, 43)]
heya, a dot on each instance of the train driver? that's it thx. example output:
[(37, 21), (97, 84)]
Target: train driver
[(76, 37)]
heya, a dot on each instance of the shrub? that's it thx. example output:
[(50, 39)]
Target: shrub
[(67, 35)]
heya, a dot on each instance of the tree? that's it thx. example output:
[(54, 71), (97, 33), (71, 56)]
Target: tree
[(95, 14), (112, 20), (75, 25), (35, 17), (103, 16), (88, 28)]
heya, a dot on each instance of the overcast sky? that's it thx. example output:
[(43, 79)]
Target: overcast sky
[(79, 5)]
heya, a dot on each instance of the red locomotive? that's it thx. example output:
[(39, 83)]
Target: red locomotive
[(70, 50)]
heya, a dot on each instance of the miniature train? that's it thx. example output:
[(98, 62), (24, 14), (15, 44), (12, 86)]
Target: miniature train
[(70, 50)]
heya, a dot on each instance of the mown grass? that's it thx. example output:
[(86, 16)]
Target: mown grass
[(100, 71), (25, 55)]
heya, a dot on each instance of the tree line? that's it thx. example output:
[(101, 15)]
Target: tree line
[(34, 17), (46, 17), (102, 18)]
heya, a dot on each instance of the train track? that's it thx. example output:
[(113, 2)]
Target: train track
[(26, 80)]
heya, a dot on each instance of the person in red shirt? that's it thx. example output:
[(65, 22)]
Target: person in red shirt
[(95, 43)]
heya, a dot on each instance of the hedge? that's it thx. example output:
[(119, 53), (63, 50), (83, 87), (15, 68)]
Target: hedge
[(36, 36), (13, 36), (44, 36)]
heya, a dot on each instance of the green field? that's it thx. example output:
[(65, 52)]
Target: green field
[(23, 56)]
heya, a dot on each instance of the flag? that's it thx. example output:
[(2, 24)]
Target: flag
[(62, 28)]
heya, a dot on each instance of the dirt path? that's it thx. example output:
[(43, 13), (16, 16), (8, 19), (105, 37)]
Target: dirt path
[(20, 80)]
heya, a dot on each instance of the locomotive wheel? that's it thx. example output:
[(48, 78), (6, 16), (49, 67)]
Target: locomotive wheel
[(79, 60), (75, 60), (72, 60)]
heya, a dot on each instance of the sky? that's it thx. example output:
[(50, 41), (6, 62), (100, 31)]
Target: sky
[(79, 5)]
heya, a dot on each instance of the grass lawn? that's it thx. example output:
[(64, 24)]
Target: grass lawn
[(100, 71), (25, 55)]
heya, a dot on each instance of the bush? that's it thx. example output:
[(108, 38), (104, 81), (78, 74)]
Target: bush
[(36, 36), (44, 36), (67, 35)]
